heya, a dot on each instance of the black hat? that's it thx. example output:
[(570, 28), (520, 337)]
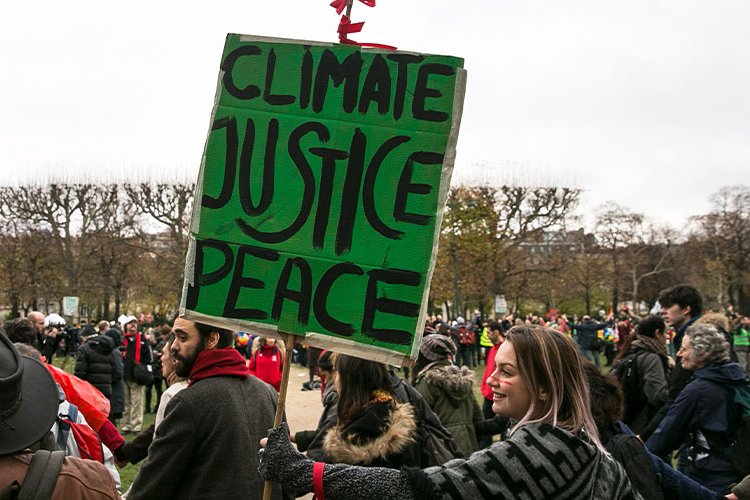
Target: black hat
[(28, 399)]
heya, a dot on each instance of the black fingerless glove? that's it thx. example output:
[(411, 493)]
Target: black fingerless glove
[(281, 463)]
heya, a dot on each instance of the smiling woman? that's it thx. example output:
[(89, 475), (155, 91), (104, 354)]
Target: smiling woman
[(539, 382)]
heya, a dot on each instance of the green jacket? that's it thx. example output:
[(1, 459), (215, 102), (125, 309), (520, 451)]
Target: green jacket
[(448, 390)]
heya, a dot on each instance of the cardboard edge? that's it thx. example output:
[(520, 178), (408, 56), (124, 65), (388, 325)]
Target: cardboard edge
[(445, 177), (270, 39), (323, 341)]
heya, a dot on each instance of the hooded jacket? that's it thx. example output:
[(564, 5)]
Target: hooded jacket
[(96, 364), (384, 435), (652, 370), (705, 418), (448, 390)]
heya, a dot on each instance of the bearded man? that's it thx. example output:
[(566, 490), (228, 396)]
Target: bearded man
[(207, 445)]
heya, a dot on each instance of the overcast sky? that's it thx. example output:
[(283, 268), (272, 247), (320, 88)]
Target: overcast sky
[(643, 102)]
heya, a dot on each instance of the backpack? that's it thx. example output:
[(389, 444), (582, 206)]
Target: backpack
[(631, 454), (88, 442), (740, 448), (626, 371), (41, 477)]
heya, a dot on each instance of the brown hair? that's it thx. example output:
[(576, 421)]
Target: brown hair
[(357, 379), (549, 363)]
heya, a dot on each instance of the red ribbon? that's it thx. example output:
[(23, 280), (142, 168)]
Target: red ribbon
[(340, 5), (318, 480), (346, 26)]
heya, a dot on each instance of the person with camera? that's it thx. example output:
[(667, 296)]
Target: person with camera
[(137, 372)]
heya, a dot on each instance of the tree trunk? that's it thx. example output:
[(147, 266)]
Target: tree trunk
[(15, 306), (743, 300)]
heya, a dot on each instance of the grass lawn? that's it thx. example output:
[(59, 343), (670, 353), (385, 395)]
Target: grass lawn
[(127, 473)]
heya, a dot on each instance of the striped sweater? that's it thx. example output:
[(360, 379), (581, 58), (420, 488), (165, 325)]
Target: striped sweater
[(538, 461)]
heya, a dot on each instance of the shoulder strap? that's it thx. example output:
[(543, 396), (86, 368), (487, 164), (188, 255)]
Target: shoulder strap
[(41, 477), (73, 413)]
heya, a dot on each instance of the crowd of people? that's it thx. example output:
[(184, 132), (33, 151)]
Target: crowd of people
[(549, 422)]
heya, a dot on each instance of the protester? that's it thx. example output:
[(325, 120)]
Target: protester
[(137, 449), (21, 330), (117, 399), (69, 440), (205, 448), (96, 363), (448, 390), (552, 452), (703, 416), (311, 441), (649, 474), (742, 342), (37, 321), (28, 409), (495, 333), (373, 428), (644, 366), (137, 372), (267, 360), (158, 348), (682, 305), (588, 337)]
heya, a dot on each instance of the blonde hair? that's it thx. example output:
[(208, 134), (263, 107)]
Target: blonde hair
[(552, 369)]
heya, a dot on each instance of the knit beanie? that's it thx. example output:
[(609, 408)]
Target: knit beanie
[(436, 347)]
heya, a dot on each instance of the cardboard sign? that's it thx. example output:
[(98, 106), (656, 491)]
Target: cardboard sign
[(70, 306), (321, 193)]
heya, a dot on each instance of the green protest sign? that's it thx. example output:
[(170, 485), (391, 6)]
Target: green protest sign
[(321, 192)]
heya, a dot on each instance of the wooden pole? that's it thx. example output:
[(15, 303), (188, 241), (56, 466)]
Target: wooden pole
[(281, 404)]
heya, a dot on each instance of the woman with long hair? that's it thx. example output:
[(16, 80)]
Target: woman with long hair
[(644, 358), (373, 428), (553, 451)]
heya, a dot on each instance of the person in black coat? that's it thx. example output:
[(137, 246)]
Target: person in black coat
[(95, 363)]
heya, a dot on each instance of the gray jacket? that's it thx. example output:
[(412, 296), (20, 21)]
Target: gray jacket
[(207, 445)]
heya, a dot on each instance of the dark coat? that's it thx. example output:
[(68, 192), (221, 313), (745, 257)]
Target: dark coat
[(207, 445), (586, 332), (705, 418), (448, 390), (158, 348), (652, 380), (312, 441), (95, 363)]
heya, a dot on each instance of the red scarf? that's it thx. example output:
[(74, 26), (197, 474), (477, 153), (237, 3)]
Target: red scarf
[(218, 363), (137, 345)]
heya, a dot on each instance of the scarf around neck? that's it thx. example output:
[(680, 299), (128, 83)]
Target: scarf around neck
[(650, 344), (226, 362), (137, 345)]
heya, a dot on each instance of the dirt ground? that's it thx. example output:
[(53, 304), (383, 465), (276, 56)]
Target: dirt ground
[(303, 408)]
